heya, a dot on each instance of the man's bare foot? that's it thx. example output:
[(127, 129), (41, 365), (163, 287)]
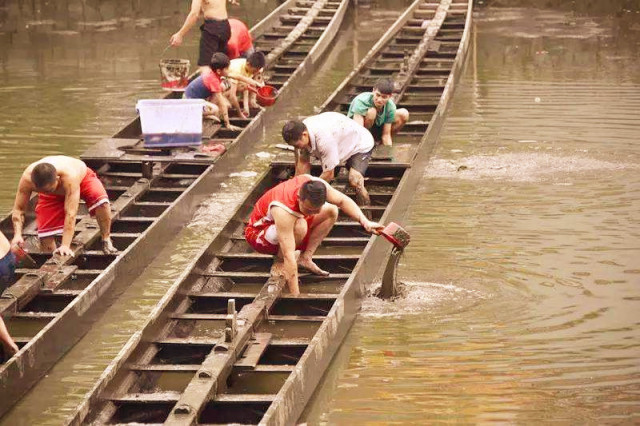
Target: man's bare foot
[(108, 247), (310, 265)]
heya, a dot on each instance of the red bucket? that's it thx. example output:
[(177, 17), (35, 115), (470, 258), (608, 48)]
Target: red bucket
[(396, 235), (174, 74), (266, 95)]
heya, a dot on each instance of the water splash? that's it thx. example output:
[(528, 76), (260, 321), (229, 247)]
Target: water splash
[(419, 297)]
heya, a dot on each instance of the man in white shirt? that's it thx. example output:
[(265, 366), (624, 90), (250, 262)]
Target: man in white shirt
[(332, 138)]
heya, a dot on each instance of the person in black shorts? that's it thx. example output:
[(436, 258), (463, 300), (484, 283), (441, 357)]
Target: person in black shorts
[(214, 38), (215, 31)]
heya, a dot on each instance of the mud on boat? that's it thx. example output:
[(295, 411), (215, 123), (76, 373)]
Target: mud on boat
[(154, 192), (226, 344)]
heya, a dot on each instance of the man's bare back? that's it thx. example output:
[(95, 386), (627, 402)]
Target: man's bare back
[(70, 170)]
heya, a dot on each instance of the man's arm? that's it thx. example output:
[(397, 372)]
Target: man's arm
[(6, 338), (71, 201), (303, 162), (327, 175), (245, 102), (190, 21), (222, 104), (233, 98), (19, 208), (386, 134), (358, 119), (285, 223), (352, 210), (245, 80)]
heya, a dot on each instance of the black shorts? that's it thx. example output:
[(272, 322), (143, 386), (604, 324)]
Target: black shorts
[(214, 37), (359, 162)]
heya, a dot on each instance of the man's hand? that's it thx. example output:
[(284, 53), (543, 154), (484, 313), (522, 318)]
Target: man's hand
[(372, 227), (11, 348), (63, 251), (386, 140), (244, 114), (247, 113), (175, 40), (234, 128), (17, 241)]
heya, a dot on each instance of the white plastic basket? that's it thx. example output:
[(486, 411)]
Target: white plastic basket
[(171, 122)]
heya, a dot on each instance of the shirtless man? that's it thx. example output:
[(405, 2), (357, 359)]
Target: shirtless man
[(60, 182), (298, 214), (215, 32)]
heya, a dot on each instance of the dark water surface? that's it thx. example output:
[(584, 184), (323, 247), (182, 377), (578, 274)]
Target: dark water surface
[(522, 278)]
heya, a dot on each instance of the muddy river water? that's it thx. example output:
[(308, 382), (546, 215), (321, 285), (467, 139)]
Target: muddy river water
[(522, 280)]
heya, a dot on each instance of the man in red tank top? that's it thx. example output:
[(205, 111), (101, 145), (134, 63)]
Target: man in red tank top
[(298, 214)]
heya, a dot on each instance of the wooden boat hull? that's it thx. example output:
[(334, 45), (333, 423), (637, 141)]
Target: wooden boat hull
[(61, 301), (199, 361)]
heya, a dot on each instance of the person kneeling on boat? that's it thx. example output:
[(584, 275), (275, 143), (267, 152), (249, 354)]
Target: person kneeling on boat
[(211, 86), (60, 182), (7, 272), (333, 139), (298, 214), (250, 68), (377, 112)]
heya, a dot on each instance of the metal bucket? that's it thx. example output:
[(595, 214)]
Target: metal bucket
[(174, 74)]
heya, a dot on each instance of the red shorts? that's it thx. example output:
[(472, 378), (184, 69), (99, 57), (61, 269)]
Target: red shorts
[(264, 237), (50, 208)]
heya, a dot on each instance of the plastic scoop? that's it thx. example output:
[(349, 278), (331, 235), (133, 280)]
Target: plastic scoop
[(396, 235)]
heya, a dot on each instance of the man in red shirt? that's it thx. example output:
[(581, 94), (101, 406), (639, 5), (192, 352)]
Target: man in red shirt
[(297, 215), (240, 43)]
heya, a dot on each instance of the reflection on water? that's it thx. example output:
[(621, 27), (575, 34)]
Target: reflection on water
[(523, 265)]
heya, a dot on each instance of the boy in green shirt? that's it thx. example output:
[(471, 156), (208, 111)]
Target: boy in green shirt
[(377, 112)]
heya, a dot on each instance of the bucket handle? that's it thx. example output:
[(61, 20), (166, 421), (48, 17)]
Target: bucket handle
[(165, 50)]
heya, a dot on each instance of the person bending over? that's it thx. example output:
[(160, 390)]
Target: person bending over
[(240, 43), (250, 68), (60, 182), (333, 139), (298, 214), (377, 112)]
